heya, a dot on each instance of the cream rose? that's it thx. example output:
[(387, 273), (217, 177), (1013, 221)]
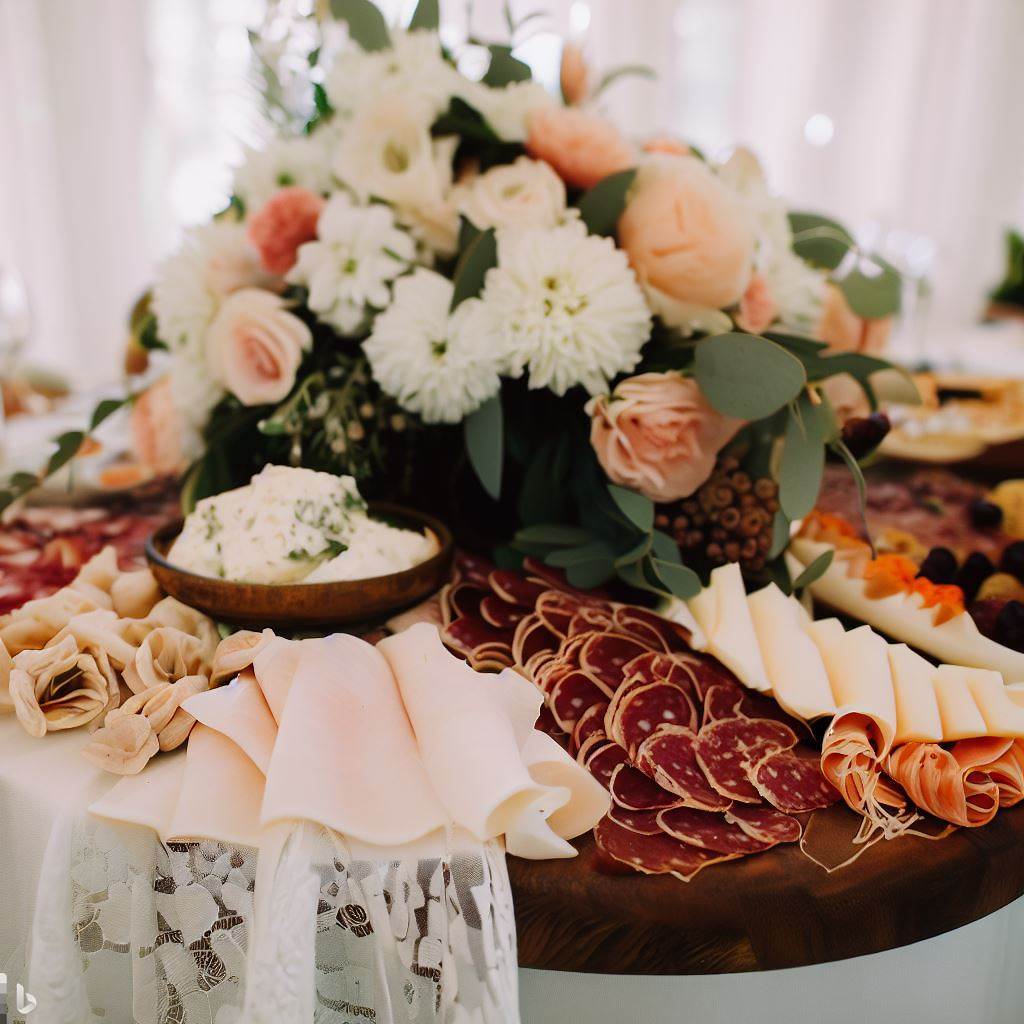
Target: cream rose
[(254, 346), (658, 435), (686, 235), (526, 193)]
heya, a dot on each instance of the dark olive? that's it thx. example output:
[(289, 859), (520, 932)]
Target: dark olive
[(985, 515), (939, 566)]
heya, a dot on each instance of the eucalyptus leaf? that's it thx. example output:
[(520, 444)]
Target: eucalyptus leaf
[(747, 376), (427, 15), (505, 69), (554, 534), (780, 534), (587, 575), (821, 241), (613, 75), (596, 549), (633, 575), (485, 444), (366, 24), (23, 482), (480, 255), (665, 547), (105, 409), (852, 465), (635, 553), (680, 580), (68, 445), (803, 459), (601, 206), (815, 570), (635, 507), (872, 295)]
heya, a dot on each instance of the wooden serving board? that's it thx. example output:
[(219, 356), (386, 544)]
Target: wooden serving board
[(774, 910)]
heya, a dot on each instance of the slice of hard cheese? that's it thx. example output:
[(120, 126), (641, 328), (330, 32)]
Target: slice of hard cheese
[(858, 671), (722, 613), (997, 704), (961, 718), (791, 658), (917, 710)]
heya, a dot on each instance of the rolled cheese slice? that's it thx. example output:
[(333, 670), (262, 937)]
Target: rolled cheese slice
[(859, 675), (903, 617), (917, 710), (791, 658), (721, 611), (961, 718)]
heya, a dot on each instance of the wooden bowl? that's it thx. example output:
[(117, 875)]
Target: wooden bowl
[(293, 606)]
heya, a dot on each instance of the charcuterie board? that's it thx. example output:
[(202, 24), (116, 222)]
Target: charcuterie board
[(776, 910)]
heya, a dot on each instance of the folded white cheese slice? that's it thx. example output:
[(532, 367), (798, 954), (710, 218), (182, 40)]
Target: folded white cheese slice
[(722, 613), (675, 610), (857, 663), (791, 658), (998, 704), (917, 710), (903, 617), (961, 718)]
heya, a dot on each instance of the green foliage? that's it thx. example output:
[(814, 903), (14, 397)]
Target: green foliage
[(747, 376), (815, 570), (821, 241), (613, 75), (427, 15), (505, 69), (601, 206), (1011, 289), (477, 258), (637, 509), (872, 288), (485, 445), (366, 24), (803, 456)]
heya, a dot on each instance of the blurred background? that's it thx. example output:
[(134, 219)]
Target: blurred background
[(120, 121)]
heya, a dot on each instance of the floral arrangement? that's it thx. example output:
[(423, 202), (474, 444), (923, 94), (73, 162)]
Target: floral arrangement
[(437, 272)]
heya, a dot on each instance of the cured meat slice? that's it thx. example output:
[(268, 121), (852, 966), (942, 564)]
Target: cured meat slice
[(590, 723), (534, 663), (709, 831), (651, 855), (643, 709), (546, 723), (467, 635), (668, 756), (603, 762), (765, 823), (550, 672), (643, 823), (589, 745), (570, 696), (531, 636), (727, 749), (556, 578), (465, 598), (708, 672), (556, 610), (791, 781), (722, 701), (604, 655), (499, 613), (634, 791), (665, 635), (654, 667), (588, 619), (515, 589), (473, 569)]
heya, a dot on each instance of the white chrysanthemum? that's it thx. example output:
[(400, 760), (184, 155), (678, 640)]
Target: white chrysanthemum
[(301, 160), (568, 307), (411, 66), (438, 365), (349, 269), (507, 108), (194, 393)]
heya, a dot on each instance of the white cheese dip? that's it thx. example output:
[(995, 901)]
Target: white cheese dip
[(294, 525)]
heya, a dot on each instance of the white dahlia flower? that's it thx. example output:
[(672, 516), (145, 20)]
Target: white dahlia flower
[(301, 160), (442, 366), (567, 306), (526, 193), (349, 269)]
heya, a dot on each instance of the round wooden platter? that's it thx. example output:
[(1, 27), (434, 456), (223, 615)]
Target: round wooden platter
[(774, 910)]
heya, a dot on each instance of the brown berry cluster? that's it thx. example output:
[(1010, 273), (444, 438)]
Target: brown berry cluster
[(729, 519)]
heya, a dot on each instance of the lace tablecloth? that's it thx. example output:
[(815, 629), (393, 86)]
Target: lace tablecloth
[(106, 923)]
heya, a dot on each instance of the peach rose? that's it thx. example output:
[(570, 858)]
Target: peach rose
[(658, 435), (582, 147), (284, 222), (757, 307), (846, 332), (254, 346), (667, 144), (574, 75), (156, 429), (685, 234)]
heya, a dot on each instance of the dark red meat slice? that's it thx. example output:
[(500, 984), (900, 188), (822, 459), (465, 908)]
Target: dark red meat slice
[(645, 708), (499, 613), (721, 701), (644, 823), (590, 723), (765, 823), (668, 636), (634, 791), (655, 667), (605, 654), (556, 609), (728, 748), (709, 672), (473, 569), (546, 723), (791, 781), (603, 762), (651, 855), (465, 636), (590, 620), (589, 745), (571, 696), (668, 757), (515, 588), (464, 599), (532, 636), (709, 831)]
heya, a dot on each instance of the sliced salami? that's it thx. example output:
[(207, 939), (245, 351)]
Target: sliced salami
[(708, 672), (791, 781), (473, 569), (499, 613), (634, 791), (728, 748), (643, 709), (765, 823), (466, 635), (654, 667), (556, 610), (603, 761), (644, 823), (530, 637), (546, 723), (709, 831), (651, 855), (465, 598), (605, 654), (516, 589), (588, 619), (590, 723), (571, 696), (641, 622), (722, 701), (669, 758), (589, 745)]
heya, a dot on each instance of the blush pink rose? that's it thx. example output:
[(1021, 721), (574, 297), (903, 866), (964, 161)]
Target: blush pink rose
[(254, 346), (845, 331), (757, 306), (583, 148), (685, 234), (658, 435), (283, 223), (667, 144), (574, 75), (156, 429)]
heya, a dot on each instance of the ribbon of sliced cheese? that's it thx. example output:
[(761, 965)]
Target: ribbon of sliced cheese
[(721, 611), (961, 718), (859, 675), (903, 617), (791, 658), (1002, 714), (917, 710)]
